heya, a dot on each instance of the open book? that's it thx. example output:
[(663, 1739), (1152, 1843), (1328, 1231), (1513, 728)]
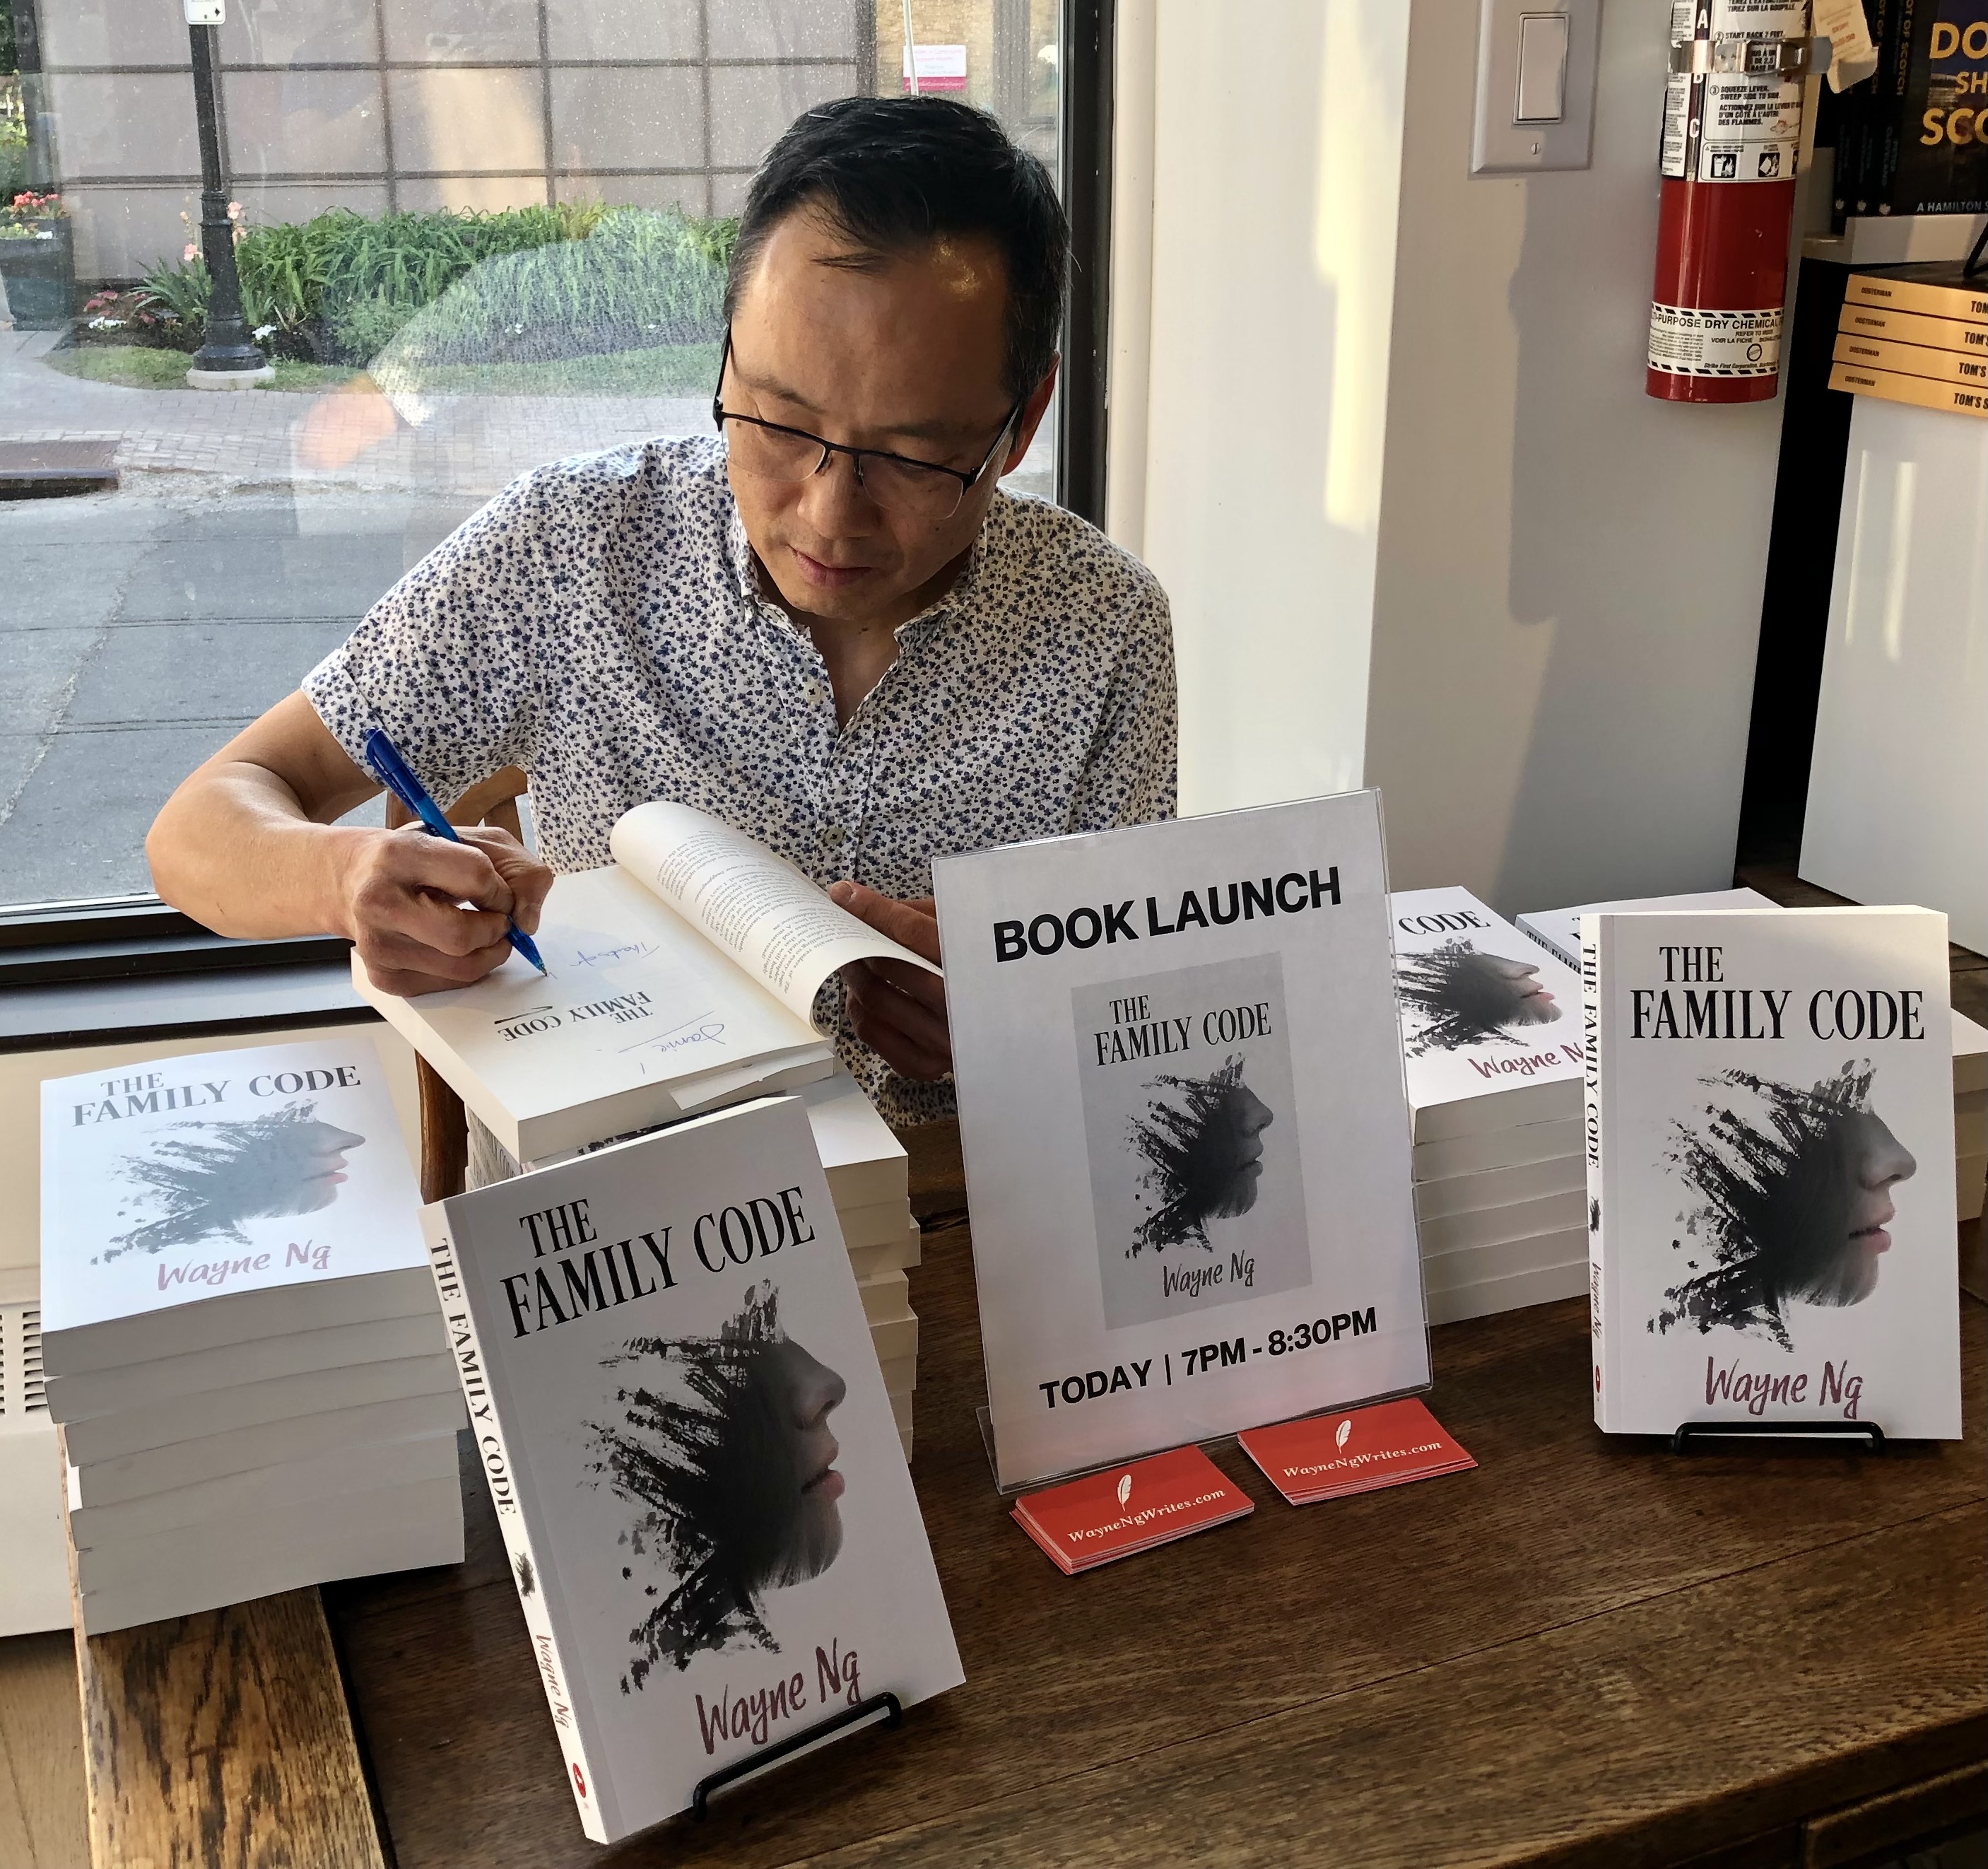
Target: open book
[(680, 978)]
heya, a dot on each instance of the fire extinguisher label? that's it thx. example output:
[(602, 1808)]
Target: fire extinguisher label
[(1685, 342), (1732, 116)]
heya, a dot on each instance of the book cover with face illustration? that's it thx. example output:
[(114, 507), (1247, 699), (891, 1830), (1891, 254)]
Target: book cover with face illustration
[(170, 1181), (1185, 1128), (1770, 1142), (1485, 1008), (693, 1460)]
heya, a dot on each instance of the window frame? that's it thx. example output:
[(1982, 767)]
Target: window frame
[(139, 937), (1084, 152)]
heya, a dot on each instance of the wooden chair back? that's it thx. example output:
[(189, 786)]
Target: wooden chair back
[(444, 1122)]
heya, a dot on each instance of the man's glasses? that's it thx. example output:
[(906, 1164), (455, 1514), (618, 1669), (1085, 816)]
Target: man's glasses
[(915, 489)]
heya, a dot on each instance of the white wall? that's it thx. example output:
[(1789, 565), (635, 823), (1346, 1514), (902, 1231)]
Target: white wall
[(1421, 526), (1276, 146), (1569, 595)]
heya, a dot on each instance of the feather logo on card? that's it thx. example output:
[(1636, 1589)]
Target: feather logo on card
[(1125, 1488), (1345, 1432)]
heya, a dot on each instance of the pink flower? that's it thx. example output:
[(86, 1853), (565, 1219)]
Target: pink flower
[(192, 253)]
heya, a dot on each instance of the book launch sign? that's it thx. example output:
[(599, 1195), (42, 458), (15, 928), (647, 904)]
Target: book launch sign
[(1185, 1132)]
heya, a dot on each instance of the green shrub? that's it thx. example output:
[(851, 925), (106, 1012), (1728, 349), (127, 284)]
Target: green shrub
[(539, 281), (643, 277)]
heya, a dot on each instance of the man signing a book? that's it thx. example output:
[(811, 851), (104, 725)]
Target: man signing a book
[(826, 624)]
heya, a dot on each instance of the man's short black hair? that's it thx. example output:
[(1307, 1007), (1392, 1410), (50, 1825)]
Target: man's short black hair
[(893, 173)]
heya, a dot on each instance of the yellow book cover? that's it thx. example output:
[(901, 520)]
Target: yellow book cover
[(1911, 359), (1922, 392), (1937, 291), (1914, 328)]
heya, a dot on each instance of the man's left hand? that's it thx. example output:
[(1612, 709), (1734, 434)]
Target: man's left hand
[(898, 1011)]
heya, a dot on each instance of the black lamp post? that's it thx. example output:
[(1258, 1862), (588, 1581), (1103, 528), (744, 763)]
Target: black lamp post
[(226, 349)]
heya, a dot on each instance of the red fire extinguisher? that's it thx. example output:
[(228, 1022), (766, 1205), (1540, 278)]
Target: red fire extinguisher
[(1733, 115)]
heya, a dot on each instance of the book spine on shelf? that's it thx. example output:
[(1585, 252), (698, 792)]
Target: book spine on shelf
[(1925, 296), (527, 1574), (1911, 359), (1904, 327), (1590, 1029), (1920, 392)]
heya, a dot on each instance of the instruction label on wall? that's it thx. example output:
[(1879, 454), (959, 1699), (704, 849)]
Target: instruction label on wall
[(1734, 115)]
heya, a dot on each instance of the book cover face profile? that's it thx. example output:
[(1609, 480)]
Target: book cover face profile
[(1181, 1157), (1771, 1174), (1186, 1136), (1483, 1007), (1124, 1510), (219, 1172), (1327, 1456), (691, 1453)]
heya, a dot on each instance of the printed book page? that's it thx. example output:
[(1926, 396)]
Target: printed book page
[(633, 998), (775, 924)]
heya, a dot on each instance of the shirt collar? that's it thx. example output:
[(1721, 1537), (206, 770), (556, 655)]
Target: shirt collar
[(961, 595)]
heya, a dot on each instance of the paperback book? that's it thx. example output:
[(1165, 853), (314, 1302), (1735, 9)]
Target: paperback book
[(1488, 1028), (1185, 1136), (680, 978), (196, 1202), (1771, 1169), (691, 1453)]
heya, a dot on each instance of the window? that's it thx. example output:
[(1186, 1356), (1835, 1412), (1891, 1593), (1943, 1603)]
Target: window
[(473, 235)]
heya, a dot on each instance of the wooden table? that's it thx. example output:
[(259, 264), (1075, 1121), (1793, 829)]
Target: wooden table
[(1588, 1651)]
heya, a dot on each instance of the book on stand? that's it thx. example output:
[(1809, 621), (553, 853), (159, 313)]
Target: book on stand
[(691, 1452), (1771, 1169)]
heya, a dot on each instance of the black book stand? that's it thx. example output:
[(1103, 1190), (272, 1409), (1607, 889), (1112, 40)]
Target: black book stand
[(806, 1740), (1706, 1436)]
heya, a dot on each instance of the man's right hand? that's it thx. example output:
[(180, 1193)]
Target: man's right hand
[(425, 914)]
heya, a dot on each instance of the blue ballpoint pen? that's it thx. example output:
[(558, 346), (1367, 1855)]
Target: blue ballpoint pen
[(384, 759)]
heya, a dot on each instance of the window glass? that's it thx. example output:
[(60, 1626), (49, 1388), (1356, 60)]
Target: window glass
[(472, 236)]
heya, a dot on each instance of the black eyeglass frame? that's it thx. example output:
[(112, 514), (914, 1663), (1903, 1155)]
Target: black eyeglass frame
[(720, 415)]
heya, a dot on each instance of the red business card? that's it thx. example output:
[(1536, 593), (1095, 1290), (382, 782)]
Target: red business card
[(1128, 1509), (1326, 1457)]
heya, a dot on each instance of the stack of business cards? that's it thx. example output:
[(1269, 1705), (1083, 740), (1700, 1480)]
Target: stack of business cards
[(1491, 1041), (1122, 1510), (1327, 1456), (242, 1343), (1558, 930)]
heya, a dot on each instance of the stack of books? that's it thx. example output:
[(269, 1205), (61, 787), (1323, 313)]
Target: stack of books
[(869, 1182), (1916, 334), (1491, 1037), (1558, 931), (241, 1342)]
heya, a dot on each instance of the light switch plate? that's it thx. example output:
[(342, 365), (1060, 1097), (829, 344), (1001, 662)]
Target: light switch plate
[(1499, 144)]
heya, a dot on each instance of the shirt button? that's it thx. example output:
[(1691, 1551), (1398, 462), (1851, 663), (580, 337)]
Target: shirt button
[(813, 692), (832, 837)]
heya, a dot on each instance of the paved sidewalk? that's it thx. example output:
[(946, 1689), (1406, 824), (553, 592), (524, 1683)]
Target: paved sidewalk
[(340, 440)]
